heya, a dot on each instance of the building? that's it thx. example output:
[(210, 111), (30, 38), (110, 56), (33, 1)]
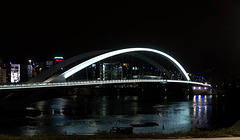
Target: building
[(58, 59), (15, 73), (3, 76), (26, 72), (114, 71)]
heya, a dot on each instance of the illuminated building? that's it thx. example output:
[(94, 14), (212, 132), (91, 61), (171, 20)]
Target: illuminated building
[(111, 71), (15, 73), (58, 59)]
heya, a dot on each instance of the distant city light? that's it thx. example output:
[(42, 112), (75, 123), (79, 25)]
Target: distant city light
[(58, 57), (58, 60)]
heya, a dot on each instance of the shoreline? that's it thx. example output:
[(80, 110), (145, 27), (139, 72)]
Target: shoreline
[(221, 134)]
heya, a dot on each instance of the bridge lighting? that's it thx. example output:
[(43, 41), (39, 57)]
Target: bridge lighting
[(93, 65), (83, 65), (46, 85)]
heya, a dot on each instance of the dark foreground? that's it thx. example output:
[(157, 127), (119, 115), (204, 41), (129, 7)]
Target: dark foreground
[(222, 134)]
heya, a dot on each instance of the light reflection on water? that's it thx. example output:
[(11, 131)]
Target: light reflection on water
[(201, 109), (88, 115)]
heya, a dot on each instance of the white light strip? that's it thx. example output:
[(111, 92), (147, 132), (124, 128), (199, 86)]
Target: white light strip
[(82, 83), (188, 82), (58, 57), (83, 65)]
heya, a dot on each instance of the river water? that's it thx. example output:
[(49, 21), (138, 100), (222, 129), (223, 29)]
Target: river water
[(88, 115)]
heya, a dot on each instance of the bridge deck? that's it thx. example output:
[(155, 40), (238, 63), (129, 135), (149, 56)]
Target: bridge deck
[(85, 83)]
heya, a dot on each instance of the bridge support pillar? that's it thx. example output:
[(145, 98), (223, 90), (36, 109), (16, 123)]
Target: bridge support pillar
[(191, 93)]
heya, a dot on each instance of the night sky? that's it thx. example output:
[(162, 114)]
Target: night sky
[(202, 35)]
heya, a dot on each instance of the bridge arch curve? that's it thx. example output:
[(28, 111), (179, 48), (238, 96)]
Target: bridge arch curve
[(63, 76)]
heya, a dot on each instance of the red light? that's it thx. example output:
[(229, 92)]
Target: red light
[(58, 60)]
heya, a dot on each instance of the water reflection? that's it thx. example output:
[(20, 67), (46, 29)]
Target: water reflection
[(201, 110), (87, 115), (52, 119)]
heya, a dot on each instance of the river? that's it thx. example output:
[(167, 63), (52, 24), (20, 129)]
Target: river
[(90, 114)]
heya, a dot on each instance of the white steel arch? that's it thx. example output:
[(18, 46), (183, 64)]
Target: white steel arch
[(84, 64)]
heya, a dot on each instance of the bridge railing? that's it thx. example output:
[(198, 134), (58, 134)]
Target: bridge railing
[(95, 82)]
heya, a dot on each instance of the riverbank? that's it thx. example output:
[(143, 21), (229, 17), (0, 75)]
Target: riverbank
[(221, 134)]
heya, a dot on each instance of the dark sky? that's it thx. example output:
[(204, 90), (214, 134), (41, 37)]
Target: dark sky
[(201, 35)]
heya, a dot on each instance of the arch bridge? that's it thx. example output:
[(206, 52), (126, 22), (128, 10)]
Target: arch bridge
[(62, 73)]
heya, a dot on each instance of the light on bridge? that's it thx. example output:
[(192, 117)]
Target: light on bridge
[(98, 58), (200, 88)]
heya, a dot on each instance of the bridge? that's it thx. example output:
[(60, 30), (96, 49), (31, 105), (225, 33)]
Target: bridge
[(86, 83), (60, 75)]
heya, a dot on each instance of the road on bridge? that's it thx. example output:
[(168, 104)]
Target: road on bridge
[(84, 83)]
